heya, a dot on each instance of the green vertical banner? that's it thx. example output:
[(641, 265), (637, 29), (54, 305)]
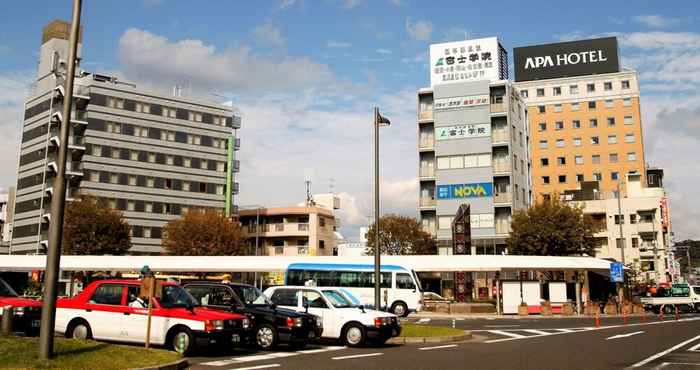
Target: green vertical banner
[(229, 175)]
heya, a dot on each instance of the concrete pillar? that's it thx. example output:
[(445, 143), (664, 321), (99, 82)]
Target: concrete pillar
[(578, 295), (7, 316), (498, 295)]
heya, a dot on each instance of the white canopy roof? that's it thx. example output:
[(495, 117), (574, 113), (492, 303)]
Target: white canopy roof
[(422, 263)]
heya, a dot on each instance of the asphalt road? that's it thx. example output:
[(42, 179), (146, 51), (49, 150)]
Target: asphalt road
[(540, 345)]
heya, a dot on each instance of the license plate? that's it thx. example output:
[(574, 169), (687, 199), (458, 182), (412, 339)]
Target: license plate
[(235, 338), (36, 323)]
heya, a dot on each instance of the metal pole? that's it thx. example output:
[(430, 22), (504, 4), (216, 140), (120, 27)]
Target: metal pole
[(377, 251), (621, 219), (53, 258), (257, 238), (690, 266)]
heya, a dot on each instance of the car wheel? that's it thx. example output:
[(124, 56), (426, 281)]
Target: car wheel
[(697, 307), (81, 330), (182, 341), (399, 309), (668, 309), (266, 337), (354, 335)]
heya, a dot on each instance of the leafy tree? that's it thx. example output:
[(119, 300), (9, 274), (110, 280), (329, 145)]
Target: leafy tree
[(685, 246), (203, 233), (90, 227), (400, 235), (552, 228)]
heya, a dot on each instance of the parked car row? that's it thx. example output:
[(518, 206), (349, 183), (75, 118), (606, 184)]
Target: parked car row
[(27, 312)]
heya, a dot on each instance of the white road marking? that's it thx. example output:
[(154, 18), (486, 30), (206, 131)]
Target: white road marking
[(538, 332), (319, 350), (566, 330), (357, 356), (501, 326), (422, 321), (507, 334), (664, 364), (694, 348), (437, 347), (624, 335), (269, 356), (257, 367), (664, 353)]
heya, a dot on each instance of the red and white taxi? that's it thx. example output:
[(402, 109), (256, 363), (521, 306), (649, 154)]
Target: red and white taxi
[(111, 310), (27, 312)]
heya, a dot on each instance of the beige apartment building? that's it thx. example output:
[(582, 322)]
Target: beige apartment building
[(584, 120)]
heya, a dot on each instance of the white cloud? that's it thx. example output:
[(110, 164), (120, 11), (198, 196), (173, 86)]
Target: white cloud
[(349, 4), (419, 30), (337, 44), (269, 34), (284, 4), (656, 21), (397, 2), (14, 89), (190, 62), (661, 40), (383, 51), (455, 34)]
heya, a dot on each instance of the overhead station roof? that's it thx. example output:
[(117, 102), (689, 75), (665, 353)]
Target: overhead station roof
[(423, 263)]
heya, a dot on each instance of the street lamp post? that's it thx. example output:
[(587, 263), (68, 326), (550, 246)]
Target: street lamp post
[(58, 202), (621, 218), (378, 121)]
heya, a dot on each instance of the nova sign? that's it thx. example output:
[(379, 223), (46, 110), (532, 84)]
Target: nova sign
[(461, 191), (566, 59)]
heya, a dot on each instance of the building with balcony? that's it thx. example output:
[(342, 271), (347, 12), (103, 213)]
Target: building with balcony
[(472, 145), (584, 119), (645, 217), (7, 206), (150, 155)]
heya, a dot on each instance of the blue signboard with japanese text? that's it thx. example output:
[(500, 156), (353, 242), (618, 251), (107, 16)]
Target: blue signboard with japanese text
[(461, 191), (617, 272)]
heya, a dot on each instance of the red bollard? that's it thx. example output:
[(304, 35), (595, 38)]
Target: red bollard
[(624, 317), (597, 320), (678, 315)]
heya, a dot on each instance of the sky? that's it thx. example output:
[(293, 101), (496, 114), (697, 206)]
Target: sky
[(305, 75)]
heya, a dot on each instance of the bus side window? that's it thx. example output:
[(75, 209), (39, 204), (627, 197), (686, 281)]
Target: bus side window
[(404, 281)]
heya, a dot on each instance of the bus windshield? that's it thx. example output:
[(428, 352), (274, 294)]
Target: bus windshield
[(337, 299)]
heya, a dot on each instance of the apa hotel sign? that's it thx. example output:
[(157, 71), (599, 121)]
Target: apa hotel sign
[(566, 59)]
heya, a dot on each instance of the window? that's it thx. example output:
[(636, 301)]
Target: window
[(107, 294), (143, 107), (113, 102), (560, 143), (635, 241), (220, 121), (557, 108), (543, 144), (541, 108), (629, 138), (132, 180), (443, 163), (114, 127), (579, 177), (559, 125), (515, 162), (169, 160), (481, 220), (595, 158), (445, 222), (194, 139), (545, 180), (628, 120), (204, 164), (607, 86), (404, 281), (540, 92), (219, 189), (542, 126), (631, 156), (187, 162), (202, 187), (220, 166), (94, 176), (614, 175), (167, 135), (169, 112), (195, 116), (140, 131), (591, 105), (590, 87), (573, 89), (597, 176), (523, 93), (561, 161), (168, 184), (633, 220), (96, 150), (113, 178), (562, 179), (544, 162), (146, 232), (619, 219), (557, 90), (148, 207), (625, 84), (185, 186), (608, 103), (595, 140), (152, 157), (134, 155), (592, 123), (114, 153), (286, 297), (611, 121), (578, 159), (130, 205), (577, 141), (150, 182), (612, 139), (576, 123), (575, 107), (613, 158)]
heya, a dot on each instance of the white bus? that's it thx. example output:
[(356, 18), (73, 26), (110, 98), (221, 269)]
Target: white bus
[(401, 290)]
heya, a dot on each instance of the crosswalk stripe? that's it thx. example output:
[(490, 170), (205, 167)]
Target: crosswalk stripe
[(538, 332), (270, 356), (324, 349), (257, 367), (506, 334), (565, 330)]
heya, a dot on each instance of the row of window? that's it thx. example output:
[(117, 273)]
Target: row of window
[(464, 161), (576, 124), (634, 218), (592, 105), (574, 89), (594, 140), (476, 221), (159, 158), (595, 159), (156, 109), (597, 176), (157, 134), (153, 182)]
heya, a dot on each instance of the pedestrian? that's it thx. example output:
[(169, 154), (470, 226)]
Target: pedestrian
[(226, 279)]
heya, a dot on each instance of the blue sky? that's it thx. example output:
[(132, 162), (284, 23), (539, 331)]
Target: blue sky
[(305, 75)]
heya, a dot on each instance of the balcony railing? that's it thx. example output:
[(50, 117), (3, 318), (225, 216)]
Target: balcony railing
[(427, 172), (498, 136), (303, 227), (426, 143), (498, 107), (425, 115), (501, 166), (427, 202), (502, 226), (503, 197)]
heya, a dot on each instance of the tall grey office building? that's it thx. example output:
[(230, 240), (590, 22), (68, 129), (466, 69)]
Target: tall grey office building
[(473, 144), (152, 156)]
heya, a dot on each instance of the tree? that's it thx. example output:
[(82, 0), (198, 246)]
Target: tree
[(685, 248), (203, 233), (400, 235), (91, 227), (552, 228)]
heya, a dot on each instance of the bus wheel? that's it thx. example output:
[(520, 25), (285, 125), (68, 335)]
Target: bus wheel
[(399, 309)]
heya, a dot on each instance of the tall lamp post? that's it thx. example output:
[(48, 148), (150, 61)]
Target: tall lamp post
[(58, 202), (621, 219), (378, 121)]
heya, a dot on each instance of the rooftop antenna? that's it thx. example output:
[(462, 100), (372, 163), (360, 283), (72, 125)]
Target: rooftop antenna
[(331, 185), (309, 199)]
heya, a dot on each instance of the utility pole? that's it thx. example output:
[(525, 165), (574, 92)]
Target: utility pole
[(378, 120), (58, 202), (621, 220)]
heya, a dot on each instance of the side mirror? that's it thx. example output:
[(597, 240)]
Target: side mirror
[(306, 306)]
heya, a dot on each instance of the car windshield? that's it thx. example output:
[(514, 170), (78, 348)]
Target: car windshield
[(176, 296), (337, 299), (251, 295), (6, 290)]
